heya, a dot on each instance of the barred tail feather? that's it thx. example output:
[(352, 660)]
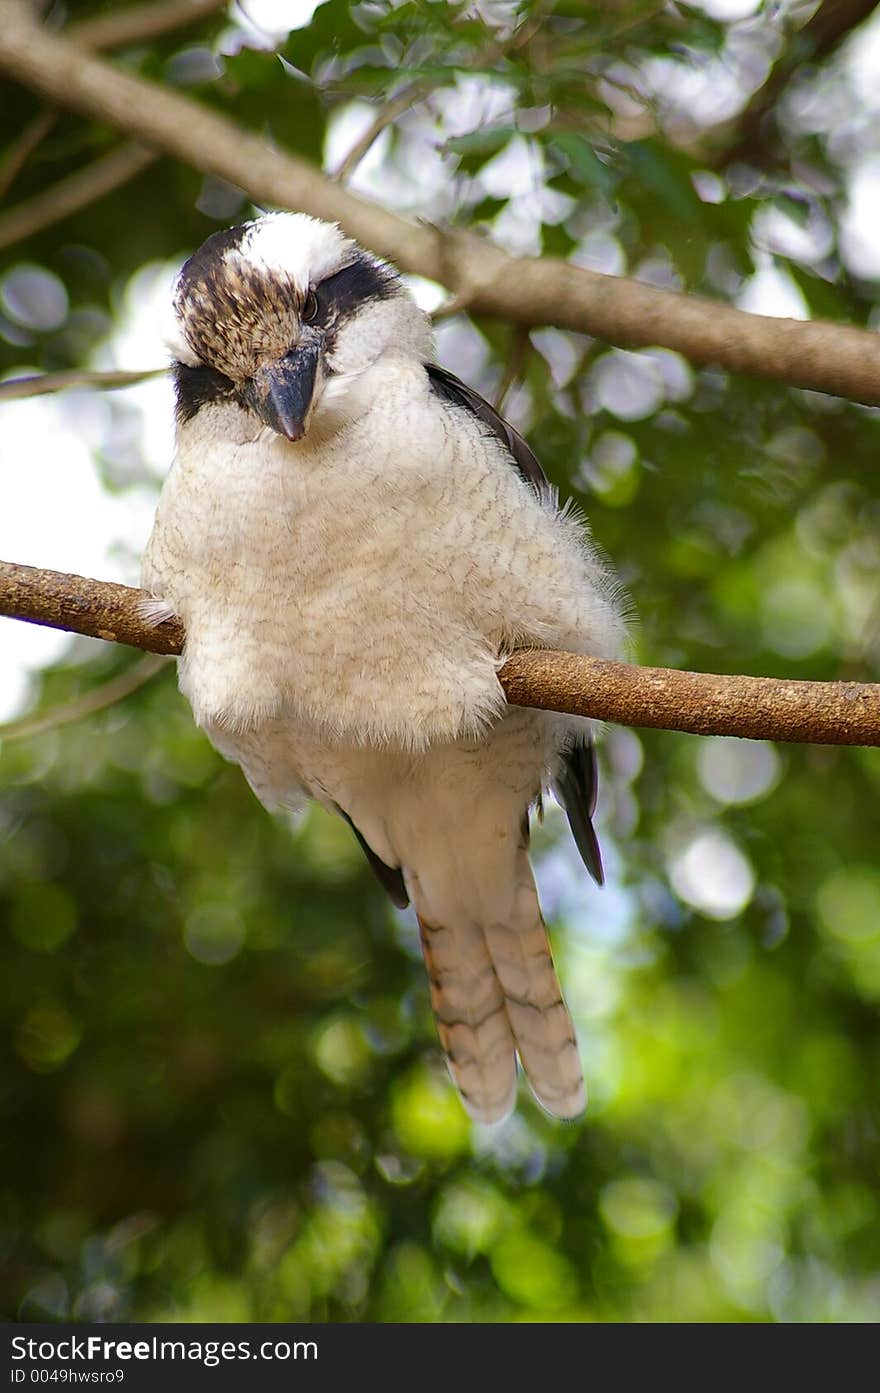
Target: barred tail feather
[(495, 993), (471, 1016), (539, 1018)]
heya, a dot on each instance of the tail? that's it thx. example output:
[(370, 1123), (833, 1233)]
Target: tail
[(495, 994)]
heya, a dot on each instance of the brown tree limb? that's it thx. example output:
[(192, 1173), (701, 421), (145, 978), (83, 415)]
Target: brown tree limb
[(702, 703), (824, 357), (74, 192), (96, 608), (760, 708)]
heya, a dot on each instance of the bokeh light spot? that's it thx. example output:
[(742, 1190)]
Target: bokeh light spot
[(713, 875)]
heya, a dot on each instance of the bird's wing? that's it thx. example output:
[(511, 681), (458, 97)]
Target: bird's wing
[(576, 783), (389, 877), (453, 390), (576, 786)]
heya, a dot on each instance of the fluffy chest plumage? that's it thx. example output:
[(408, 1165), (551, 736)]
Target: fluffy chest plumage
[(340, 579)]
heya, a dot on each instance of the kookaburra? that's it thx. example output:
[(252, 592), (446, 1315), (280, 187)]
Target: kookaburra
[(355, 541)]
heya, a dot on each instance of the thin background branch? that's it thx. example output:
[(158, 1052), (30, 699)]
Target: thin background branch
[(76, 191), (20, 151), (755, 130), (87, 185), (384, 117), (98, 699), (17, 388), (517, 356), (140, 22)]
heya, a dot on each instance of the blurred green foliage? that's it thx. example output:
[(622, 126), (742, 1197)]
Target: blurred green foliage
[(221, 1092)]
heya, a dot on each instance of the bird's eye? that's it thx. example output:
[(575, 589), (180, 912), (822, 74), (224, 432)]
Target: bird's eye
[(310, 308)]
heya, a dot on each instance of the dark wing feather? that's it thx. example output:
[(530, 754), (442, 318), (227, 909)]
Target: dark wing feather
[(453, 390), (577, 786), (389, 877), (577, 782)]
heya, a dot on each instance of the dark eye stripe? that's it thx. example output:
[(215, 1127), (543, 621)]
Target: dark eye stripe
[(196, 387), (343, 293)]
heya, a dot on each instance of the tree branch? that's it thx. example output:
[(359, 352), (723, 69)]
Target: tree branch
[(135, 25), (381, 121), (760, 708), (41, 384), (141, 22), (96, 608), (824, 357), (827, 27), (98, 699), (74, 192), (21, 149)]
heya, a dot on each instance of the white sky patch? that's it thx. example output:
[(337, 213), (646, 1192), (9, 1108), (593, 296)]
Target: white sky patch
[(56, 514), (56, 511), (602, 917), (428, 295), (137, 341), (709, 187), (612, 456), (475, 104), (676, 373), (345, 126), (808, 241), (460, 342), (403, 169), (705, 94), (515, 171), (34, 297), (600, 251), (713, 875), (560, 352)]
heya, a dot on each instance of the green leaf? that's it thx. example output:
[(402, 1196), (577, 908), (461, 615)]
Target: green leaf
[(665, 175), (582, 160), (484, 142)]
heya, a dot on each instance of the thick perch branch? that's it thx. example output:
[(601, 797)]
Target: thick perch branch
[(821, 356), (761, 708)]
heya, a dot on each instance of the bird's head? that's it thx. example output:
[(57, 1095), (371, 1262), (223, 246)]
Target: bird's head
[(283, 316)]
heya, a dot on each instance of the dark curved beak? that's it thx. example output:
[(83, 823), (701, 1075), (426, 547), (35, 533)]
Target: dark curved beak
[(282, 392)]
